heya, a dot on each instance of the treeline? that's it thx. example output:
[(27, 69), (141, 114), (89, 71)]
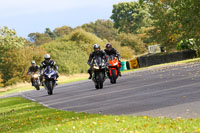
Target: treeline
[(70, 51), (132, 28), (175, 23)]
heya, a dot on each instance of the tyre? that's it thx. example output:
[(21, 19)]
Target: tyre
[(50, 88), (114, 77), (37, 86), (111, 80), (97, 86), (101, 85), (50, 92), (101, 79)]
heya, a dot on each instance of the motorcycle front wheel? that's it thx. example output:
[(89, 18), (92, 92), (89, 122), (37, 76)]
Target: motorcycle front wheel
[(49, 87)]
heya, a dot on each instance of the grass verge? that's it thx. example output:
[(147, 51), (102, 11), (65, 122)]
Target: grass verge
[(20, 115)]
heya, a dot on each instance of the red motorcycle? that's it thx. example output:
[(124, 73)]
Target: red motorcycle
[(113, 69)]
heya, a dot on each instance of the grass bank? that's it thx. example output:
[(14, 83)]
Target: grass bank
[(21, 115)]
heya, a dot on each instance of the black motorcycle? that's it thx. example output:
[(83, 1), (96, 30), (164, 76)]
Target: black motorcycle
[(36, 80), (98, 75), (50, 80)]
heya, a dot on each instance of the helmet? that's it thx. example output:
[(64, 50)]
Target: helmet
[(96, 46), (108, 45), (47, 56), (33, 62)]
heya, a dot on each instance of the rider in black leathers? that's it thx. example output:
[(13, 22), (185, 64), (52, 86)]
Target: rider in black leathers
[(111, 51), (48, 62), (33, 69), (97, 52)]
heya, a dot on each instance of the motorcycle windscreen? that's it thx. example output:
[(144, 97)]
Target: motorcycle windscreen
[(99, 61)]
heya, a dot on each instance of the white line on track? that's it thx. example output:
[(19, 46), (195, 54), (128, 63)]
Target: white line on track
[(147, 85), (135, 96)]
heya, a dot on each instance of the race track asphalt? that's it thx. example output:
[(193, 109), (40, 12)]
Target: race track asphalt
[(172, 91)]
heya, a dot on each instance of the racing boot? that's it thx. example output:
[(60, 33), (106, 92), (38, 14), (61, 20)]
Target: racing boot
[(119, 72), (90, 77)]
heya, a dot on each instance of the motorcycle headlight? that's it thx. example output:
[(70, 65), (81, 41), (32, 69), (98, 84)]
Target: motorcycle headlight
[(96, 67), (115, 64), (49, 75), (35, 75)]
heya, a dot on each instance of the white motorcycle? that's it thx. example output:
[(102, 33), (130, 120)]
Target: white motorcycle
[(36, 80)]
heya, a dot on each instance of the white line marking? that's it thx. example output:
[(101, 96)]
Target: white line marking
[(137, 95), (50, 104)]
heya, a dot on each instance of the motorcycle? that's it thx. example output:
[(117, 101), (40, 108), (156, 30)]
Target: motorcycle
[(98, 75), (36, 80), (50, 79), (113, 69)]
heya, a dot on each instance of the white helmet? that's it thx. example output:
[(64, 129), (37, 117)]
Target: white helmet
[(47, 56), (33, 62)]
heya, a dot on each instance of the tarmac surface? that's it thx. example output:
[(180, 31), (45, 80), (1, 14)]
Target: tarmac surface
[(172, 91)]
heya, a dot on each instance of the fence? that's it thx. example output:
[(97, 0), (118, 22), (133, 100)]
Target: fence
[(155, 59)]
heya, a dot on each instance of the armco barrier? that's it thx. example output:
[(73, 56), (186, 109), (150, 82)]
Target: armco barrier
[(150, 60), (133, 63), (123, 66), (128, 65)]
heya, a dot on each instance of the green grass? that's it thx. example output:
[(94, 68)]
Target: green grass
[(21, 115), (16, 89)]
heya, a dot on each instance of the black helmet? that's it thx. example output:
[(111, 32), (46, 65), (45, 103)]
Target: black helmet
[(96, 48), (108, 45)]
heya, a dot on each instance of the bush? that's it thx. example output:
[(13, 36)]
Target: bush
[(102, 28), (125, 52), (13, 81), (16, 62), (68, 55), (132, 41), (83, 39), (1, 80)]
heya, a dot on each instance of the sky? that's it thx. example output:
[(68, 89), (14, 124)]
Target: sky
[(28, 16)]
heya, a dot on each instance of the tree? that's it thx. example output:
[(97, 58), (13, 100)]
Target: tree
[(39, 38), (130, 16), (132, 41), (9, 40), (175, 20), (50, 33), (102, 28), (17, 62), (61, 31)]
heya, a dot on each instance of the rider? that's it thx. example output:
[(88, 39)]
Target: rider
[(97, 52), (48, 62), (33, 69), (111, 51)]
